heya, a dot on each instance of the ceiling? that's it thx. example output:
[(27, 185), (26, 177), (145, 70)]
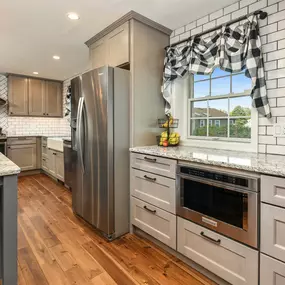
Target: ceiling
[(32, 31)]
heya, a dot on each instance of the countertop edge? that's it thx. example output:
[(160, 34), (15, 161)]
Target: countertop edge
[(260, 170)]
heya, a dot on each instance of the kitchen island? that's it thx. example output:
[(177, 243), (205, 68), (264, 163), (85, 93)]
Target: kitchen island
[(8, 213)]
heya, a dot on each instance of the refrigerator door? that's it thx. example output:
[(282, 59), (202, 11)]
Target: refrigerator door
[(95, 149)]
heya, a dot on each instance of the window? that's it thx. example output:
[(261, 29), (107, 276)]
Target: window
[(222, 101), (217, 123)]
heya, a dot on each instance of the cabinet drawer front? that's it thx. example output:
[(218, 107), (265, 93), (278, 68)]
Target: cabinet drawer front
[(228, 259), (154, 164), (154, 189), (273, 231), (44, 150), (272, 271), (273, 190), (44, 164), (154, 221), (21, 140)]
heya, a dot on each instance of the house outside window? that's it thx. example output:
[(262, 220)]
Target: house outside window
[(202, 123), (218, 122)]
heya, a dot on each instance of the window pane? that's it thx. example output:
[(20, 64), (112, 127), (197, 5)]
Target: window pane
[(198, 77), (201, 89), (241, 84), (240, 106), (218, 108), (219, 72), (219, 128), (199, 109), (221, 86), (199, 128), (240, 128)]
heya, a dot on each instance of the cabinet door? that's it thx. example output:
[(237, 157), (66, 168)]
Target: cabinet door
[(18, 95), (53, 99), (36, 97), (273, 231), (59, 166), (51, 162), (118, 46), (25, 156), (98, 53), (45, 164), (272, 271)]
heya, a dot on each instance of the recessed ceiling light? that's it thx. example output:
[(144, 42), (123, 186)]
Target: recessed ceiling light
[(56, 57), (35, 72), (73, 16)]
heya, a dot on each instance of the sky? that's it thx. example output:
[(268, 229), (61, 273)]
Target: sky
[(221, 86)]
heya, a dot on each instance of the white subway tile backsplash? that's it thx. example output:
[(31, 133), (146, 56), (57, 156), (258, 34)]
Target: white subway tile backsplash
[(270, 2), (278, 73), (262, 130), (281, 44), (276, 55), (224, 19), (262, 148), (278, 111), (269, 47), (281, 141), (203, 20), (240, 13), (271, 84), (276, 149), (281, 24), (231, 8), (276, 93), (268, 29), (179, 31), (191, 26), (196, 31), (281, 83), (258, 5), (244, 3), (267, 140), (276, 17), (209, 25), (281, 5), (271, 9), (281, 63), (270, 65), (216, 14)]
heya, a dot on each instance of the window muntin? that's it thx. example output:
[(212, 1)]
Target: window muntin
[(223, 101)]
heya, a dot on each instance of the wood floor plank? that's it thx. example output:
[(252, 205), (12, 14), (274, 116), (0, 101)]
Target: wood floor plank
[(58, 248)]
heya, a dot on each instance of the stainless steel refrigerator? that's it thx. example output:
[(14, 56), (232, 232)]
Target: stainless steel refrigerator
[(100, 142)]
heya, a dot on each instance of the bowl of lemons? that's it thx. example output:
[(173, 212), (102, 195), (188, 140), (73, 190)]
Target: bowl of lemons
[(166, 139)]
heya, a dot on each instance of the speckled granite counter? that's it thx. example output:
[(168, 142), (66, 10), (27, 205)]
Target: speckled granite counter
[(7, 167), (261, 163)]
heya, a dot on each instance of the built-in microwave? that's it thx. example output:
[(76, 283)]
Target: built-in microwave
[(226, 201)]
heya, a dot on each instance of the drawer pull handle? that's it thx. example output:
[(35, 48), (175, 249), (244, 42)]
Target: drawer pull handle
[(149, 178), (150, 159), (152, 211), (210, 239)]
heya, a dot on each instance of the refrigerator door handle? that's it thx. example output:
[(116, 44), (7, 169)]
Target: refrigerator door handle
[(79, 133), (78, 123)]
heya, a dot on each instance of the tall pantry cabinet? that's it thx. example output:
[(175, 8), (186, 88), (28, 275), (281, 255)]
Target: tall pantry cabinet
[(136, 43)]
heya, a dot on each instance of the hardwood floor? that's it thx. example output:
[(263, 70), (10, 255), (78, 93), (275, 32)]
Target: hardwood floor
[(55, 247)]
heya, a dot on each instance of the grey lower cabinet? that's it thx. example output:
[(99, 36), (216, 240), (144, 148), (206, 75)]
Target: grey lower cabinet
[(25, 156), (23, 152), (53, 163)]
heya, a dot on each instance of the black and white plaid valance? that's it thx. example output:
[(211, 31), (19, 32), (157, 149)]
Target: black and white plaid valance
[(231, 49)]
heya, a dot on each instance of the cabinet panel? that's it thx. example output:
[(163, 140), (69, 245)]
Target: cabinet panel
[(272, 271), (273, 231), (230, 260), (36, 97), (18, 95), (25, 156), (273, 190), (51, 162), (118, 46), (45, 164), (154, 221), (53, 99), (154, 189), (21, 140), (59, 166), (98, 53)]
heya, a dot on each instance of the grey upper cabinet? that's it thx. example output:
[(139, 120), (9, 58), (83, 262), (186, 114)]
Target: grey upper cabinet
[(113, 49), (36, 97), (118, 46), (53, 99), (18, 95)]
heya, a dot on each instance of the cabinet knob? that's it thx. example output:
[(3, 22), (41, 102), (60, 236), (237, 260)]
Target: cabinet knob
[(47, 114), (11, 112), (9, 147), (44, 113)]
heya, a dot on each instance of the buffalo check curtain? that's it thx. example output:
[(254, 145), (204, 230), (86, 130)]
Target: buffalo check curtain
[(232, 49)]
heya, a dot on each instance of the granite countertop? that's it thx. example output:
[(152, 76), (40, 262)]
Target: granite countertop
[(7, 167), (255, 162)]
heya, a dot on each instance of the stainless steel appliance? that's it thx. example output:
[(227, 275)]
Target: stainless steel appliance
[(100, 138), (69, 163), (223, 201)]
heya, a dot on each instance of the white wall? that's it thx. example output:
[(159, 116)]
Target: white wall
[(17, 126), (273, 39)]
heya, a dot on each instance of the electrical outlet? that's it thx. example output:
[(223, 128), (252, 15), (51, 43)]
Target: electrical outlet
[(279, 130)]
